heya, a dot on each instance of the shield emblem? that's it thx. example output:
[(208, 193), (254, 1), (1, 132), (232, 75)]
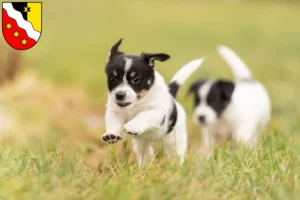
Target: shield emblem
[(21, 23)]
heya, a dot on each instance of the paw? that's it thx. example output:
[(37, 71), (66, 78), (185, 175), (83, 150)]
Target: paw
[(132, 129), (111, 138)]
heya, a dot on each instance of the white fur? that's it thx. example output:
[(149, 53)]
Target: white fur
[(246, 115), (128, 63), (185, 72), (144, 117), (238, 67), (203, 109), (125, 87)]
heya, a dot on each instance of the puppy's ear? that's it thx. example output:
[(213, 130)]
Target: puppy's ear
[(193, 89), (150, 58), (227, 89), (115, 50)]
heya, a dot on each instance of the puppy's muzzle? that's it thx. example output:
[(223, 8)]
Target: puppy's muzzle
[(202, 119), (120, 96)]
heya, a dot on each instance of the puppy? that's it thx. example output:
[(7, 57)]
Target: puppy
[(142, 105), (238, 110)]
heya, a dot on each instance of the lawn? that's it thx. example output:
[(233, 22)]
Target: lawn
[(53, 148)]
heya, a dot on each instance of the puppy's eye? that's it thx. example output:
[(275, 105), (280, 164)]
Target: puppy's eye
[(112, 78), (135, 80)]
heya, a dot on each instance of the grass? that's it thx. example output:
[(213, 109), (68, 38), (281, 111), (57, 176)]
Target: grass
[(54, 149), (268, 172)]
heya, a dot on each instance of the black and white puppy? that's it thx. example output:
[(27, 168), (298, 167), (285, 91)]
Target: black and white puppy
[(239, 110), (141, 104)]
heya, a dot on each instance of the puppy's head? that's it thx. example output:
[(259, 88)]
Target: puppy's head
[(210, 99), (129, 77)]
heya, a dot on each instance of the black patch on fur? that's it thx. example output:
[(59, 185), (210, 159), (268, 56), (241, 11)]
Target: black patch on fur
[(173, 118), (144, 74), (149, 58), (219, 95), (142, 71), (115, 49), (173, 88), (140, 66), (194, 88), (117, 64)]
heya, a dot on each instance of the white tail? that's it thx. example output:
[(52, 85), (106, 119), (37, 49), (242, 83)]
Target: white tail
[(183, 74), (238, 67), (186, 71)]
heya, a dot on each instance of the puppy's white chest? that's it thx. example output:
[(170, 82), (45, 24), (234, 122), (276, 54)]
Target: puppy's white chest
[(222, 128), (130, 113)]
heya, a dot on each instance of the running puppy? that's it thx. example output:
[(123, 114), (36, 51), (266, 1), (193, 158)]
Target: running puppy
[(239, 110), (142, 105)]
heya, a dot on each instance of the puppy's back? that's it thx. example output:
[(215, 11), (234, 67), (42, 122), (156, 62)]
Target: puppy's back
[(250, 101)]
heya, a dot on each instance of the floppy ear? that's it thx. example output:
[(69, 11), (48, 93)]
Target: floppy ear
[(227, 89), (115, 50), (193, 89), (150, 58)]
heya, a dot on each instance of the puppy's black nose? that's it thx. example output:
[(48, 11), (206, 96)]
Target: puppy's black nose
[(201, 118), (120, 96)]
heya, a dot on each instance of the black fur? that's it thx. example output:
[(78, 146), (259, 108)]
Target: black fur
[(194, 89), (173, 118), (173, 88), (115, 65), (142, 68), (150, 57), (115, 49), (218, 97)]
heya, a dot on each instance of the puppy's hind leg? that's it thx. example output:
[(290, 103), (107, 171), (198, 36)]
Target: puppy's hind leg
[(246, 136), (180, 133), (177, 139), (140, 147), (181, 145)]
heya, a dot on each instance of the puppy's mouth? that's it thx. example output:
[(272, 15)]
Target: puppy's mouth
[(203, 123), (123, 105)]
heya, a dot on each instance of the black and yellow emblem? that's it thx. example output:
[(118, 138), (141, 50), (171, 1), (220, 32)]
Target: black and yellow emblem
[(22, 23)]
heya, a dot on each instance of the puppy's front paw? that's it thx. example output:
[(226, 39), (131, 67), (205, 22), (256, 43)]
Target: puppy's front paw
[(111, 138), (132, 129)]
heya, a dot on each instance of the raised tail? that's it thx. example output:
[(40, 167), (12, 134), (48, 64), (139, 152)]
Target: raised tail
[(238, 67), (184, 73)]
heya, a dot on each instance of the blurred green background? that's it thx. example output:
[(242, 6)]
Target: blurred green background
[(77, 36), (56, 104)]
